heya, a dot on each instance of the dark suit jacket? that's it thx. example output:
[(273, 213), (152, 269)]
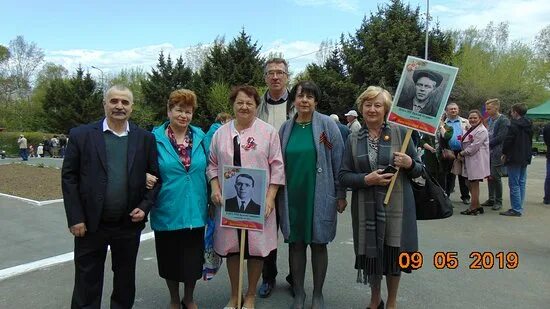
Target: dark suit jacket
[(233, 206), (84, 173), (430, 109)]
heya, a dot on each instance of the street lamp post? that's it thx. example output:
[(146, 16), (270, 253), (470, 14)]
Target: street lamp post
[(427, 29), (102, 79)]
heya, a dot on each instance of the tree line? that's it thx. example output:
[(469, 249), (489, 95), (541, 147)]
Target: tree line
[(46, 97)]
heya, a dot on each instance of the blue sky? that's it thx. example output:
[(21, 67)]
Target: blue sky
[(120, 34)]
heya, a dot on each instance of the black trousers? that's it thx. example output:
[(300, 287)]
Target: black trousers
[(89, 259)]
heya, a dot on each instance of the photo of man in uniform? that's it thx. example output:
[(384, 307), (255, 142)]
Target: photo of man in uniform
[(242, 202), (422, 100)]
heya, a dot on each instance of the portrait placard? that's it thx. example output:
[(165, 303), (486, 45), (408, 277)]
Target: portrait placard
[(422, 94), (243, 195)]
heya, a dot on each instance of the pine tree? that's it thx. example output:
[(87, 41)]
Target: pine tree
[(375, 55), (162, 80)]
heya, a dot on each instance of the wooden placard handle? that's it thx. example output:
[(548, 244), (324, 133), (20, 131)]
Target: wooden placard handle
[(403, 150), (241, 268)]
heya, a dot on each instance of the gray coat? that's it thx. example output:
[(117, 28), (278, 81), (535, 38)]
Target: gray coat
[(353, 176), (327, 188), (497, 133)]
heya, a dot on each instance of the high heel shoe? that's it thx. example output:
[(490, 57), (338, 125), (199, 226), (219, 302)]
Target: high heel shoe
[(380, 305), (473, 212)]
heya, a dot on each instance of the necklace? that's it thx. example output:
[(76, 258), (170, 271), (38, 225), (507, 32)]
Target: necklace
[(303, 124)]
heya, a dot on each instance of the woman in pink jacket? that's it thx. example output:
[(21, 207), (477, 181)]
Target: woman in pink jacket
[(249, 142), (475, 154)]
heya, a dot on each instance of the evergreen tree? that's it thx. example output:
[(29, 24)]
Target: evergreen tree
[(245, 63), (162, 80), (375, 55), (338, 93), (72, 102)]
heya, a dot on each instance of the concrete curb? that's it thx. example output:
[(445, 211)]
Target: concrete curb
[(32, 202)]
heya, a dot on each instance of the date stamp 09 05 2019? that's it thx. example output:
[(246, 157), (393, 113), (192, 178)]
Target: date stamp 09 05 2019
[(450, 260)]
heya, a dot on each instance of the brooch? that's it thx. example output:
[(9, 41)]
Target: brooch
[(386, 138), (250, 144)]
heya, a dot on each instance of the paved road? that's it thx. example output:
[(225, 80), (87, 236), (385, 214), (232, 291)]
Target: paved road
[(31, 232), (51, 162)]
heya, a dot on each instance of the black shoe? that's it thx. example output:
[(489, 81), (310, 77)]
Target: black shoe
[(291, 283), (466, 200), (510, 213), (473, 212), (488, 203), (380, 306), (266, 288)]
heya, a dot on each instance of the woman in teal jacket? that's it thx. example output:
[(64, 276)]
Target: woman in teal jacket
[(180, 213)]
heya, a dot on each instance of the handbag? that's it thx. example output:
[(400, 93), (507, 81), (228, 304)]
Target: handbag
[(457, 167), (448, 154), (212, 261), (430, 198)]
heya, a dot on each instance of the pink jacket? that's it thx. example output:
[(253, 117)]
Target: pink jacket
[(475, 147), (267, 155)]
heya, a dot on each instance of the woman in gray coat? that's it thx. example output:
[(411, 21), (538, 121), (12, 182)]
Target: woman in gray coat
[(380, 232), (312, 149)]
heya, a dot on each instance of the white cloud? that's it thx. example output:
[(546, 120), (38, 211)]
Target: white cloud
[(343, 5), (299, 53), (526, 18), (112, 61)]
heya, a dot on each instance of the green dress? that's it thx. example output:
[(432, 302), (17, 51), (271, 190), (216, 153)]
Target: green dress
[(300, 168)]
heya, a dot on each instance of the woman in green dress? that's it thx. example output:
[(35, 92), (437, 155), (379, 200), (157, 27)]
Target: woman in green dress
[(312, 149)]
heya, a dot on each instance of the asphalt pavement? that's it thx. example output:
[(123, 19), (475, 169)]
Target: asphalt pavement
[(31, 233)]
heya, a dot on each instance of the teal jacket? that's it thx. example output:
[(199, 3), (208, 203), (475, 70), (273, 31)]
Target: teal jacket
[(182, 199)]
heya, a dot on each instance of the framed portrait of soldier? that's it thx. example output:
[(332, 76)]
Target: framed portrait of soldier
[(422, 94), (243, 195)]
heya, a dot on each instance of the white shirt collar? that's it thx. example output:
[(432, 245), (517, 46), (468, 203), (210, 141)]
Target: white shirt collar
[(239, 201), (106, 128)]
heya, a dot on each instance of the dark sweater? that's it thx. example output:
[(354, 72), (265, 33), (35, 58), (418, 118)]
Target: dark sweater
[(116, 195)]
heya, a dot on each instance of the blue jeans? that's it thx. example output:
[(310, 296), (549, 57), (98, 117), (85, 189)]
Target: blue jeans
[(547, 183), (517, 176), (23, 154)]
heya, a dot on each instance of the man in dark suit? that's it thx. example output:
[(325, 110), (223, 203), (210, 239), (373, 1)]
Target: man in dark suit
[(422, 100), (106, 202), (243, 203)]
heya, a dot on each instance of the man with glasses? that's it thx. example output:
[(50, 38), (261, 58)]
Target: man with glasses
[(274, 109)]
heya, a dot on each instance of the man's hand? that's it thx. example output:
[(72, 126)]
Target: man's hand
[(150, 181), (137, 215), (341, 205), (78, 230)]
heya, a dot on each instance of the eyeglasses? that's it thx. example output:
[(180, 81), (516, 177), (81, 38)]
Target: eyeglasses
[(275, 73)]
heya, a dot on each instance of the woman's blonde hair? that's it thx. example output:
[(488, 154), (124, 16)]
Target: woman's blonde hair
[(371, 93)]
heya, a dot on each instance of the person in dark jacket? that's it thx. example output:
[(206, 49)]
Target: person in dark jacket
[(106, 201), (497, 124), (546, 136), (516, 155), (344, 130)]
